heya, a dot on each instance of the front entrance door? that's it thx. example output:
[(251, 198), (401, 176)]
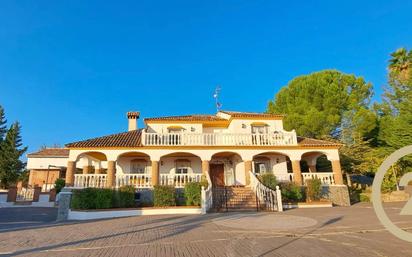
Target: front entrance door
[(217, 175)]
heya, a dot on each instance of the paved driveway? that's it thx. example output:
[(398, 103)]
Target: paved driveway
[(350, 231)]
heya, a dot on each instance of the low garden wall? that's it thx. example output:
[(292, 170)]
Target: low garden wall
[(97, 203)]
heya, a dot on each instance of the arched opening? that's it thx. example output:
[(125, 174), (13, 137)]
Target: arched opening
[(133, 168), (227, 169), (275, 163), (315, 162), (179, 168), (91, 163), (133, 163), (91, 169)]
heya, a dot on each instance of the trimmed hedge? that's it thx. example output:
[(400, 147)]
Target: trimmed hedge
[(291, 192), (313, 189), (124, 197), (101, 198), (193, 193), (164, 196)]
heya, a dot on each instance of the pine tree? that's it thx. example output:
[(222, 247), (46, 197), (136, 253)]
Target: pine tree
[(3, 126), (12, 150)]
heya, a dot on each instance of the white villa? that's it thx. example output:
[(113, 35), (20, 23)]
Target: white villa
[(228, 147)]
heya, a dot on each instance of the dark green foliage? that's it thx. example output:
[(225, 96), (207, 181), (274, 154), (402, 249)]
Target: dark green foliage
[(193, 194), (318, 104), (164, 196), (99, 198), (59, 184), (313, 189), (269, 180), (124, 197), (3, 126), (291, 192), (11, 151), (92, 198)]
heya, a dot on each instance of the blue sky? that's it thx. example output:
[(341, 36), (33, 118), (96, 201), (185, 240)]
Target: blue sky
[(70, 70)]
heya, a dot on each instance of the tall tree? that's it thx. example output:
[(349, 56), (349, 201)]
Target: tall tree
[(326, 103), (12, 150), (3, 122)]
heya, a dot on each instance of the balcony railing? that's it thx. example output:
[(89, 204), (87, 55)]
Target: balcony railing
[(325, 177), (90, 180), (179, 180), (219, 139), (136, 180)]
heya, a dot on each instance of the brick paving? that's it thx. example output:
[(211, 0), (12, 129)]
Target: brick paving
[(346, 231)]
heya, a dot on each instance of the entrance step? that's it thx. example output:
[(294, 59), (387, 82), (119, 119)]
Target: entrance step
[(234, 199)]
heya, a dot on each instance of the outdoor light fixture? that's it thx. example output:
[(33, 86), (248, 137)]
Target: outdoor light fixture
[(243, 125), (192, 129)]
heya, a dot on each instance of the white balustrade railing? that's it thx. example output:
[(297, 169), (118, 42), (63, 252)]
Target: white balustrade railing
[(136, 180), (268, 198), (179, 180), (284, 177), (90, 180), (219, 139), (325, 177)]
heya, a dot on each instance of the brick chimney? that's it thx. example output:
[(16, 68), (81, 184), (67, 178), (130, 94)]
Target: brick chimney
[(132, 117)]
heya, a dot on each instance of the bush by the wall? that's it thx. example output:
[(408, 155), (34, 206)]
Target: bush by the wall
[(204, 182), (164, 196), (313, 189), (92, 198), (193, 193), (100, 198), (291, 192), (59, 184), (124, 197), (269, 180)]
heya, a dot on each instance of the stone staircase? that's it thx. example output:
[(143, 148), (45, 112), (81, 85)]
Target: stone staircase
[(234, 199)]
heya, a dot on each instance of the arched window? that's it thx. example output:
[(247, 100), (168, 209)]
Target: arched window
[(182, 166), (138, 166)]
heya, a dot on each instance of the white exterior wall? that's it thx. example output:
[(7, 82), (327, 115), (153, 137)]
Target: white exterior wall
[(44, 162), (124, 165), (236, 126), (168, 165)]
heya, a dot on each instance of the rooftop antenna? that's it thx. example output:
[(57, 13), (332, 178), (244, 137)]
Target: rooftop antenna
[(216, 97)]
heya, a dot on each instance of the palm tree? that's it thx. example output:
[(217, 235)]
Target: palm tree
[(401, 63)]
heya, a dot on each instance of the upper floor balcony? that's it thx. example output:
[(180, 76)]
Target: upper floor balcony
[(283, 138)]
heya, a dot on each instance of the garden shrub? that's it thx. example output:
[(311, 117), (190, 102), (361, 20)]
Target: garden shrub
[(291, 192), (204, 182), (193, 193), (313, 189), (164, 196), (92, 198), (364, 197), (59, 184), (124, 197), (269, 180)]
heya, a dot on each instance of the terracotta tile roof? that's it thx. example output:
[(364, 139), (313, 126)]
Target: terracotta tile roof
[(194, 117), (305, 141), (252, 114), (50, 152), (125, 139)]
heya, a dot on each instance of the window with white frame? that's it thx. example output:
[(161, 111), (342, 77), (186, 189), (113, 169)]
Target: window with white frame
[(182, 166), (138, 166)]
